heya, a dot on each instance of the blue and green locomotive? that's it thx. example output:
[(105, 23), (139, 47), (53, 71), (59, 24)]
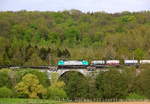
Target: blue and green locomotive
[(72, 63)]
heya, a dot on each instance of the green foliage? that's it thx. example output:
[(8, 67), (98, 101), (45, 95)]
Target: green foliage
[(34, 60), (111, 84), (91, 89), (56, 93), (30, 87), (130, 76), (63, 53), (72, 35), (128, 18), (144, 82), (56, 90), (135, 96), (139, 54), (5, 92), (42, 76), (5, 78), (28, 40), (76, 85), (54, 78), (125, 83)]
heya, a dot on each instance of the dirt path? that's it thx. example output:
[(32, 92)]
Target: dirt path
[(114, 103)]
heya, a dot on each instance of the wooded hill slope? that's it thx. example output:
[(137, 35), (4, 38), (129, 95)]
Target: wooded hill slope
[(41, 38)]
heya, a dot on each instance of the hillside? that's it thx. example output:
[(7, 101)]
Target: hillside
[(41, 38)]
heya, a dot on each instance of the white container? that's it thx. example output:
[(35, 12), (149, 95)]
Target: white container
[(112, 62), (98, 62), (130, 61), (144, 61)]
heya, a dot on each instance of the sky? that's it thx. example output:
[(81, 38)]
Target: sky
[(110, 6)]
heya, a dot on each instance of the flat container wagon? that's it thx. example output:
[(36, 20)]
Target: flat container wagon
[(131, 62), (113, 62), (144, 61), (98, 63)]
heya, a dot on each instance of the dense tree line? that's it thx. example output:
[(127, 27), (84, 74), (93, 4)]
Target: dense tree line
[(41, 38), (125, 83), (30, 83)]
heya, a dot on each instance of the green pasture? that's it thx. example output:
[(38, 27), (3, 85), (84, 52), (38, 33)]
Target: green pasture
[(26, 101)]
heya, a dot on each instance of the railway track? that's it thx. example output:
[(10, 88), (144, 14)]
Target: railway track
[(50, 67)]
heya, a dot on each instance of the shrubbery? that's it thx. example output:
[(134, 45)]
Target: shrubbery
[(56, 93), (5, 78), (42, 76), (134, 96), (56, 90), (30, 87), (5, 92)]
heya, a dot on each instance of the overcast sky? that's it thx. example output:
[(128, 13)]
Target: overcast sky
[(83, 5)]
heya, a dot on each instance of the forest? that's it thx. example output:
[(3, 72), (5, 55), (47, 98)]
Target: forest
[(42, 38), (126, 83)]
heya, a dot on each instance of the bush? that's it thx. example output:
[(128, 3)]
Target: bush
[(42, 76), (5, 79), (30, 87), (56, 90), (56, 93), (5, 92), (135, 96)]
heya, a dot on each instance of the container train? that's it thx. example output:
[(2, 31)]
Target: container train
[(99, 63)]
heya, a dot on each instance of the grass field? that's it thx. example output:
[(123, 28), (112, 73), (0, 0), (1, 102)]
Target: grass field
[(26, 101)]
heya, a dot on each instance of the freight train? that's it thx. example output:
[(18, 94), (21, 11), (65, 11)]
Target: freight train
[(99, 63)]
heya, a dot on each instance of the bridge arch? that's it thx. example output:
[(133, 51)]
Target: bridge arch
[(81, 71), (61, 72), (70, 72), (69, 76)]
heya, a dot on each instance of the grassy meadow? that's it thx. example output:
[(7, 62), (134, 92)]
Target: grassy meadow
[(26, 101)]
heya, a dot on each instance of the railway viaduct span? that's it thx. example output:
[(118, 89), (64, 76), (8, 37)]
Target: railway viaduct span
[(86, 71), (89, 71)]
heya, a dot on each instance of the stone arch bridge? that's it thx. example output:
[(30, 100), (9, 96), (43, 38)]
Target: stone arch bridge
[(89, 71), (84, 72)]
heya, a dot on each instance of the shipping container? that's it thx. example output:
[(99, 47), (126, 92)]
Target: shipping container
[(130, 62), (144, 61), (98, 62), (113, 62)]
